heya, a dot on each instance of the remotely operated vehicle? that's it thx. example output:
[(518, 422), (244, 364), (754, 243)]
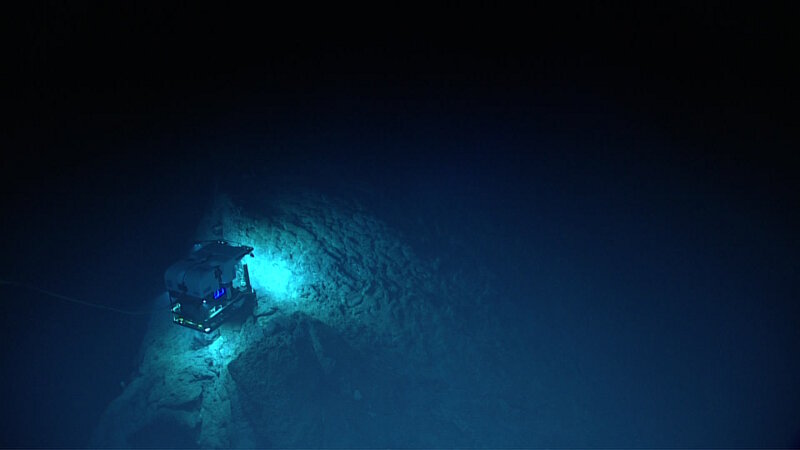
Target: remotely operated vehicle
[(209, 284)]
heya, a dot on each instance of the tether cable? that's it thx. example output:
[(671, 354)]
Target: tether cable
[(81, 302)]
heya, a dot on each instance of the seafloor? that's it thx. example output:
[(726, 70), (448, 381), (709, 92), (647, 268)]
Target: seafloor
[(355, 341)]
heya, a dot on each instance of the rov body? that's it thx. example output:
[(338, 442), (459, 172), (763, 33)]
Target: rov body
[(207, 285)]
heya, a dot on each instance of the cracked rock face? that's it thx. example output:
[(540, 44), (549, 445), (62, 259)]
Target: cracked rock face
[(352, 342)]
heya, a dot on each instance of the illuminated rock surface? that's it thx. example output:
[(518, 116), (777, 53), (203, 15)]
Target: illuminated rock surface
[(354, 341)]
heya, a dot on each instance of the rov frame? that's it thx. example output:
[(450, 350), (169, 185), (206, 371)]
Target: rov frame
[(209, 284)]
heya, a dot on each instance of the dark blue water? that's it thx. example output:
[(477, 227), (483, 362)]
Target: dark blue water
[(652, 288), (634, 206)]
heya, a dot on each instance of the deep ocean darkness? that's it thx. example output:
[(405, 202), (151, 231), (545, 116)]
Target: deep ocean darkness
[(625, 176)]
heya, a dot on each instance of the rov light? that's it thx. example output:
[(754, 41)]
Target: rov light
[(277, 278), (272, 276)]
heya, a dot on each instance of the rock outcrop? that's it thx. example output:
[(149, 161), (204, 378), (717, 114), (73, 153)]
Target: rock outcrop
[(353, 342)]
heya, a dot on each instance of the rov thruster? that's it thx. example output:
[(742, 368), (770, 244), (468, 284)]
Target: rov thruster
[(207, 285)]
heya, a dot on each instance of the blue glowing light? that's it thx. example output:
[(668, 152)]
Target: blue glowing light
[(273, 276), (219, 293)]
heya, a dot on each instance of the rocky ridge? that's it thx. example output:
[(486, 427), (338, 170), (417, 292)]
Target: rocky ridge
[(354, 341)]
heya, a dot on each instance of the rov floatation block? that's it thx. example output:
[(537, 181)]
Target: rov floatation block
[(208, 284)]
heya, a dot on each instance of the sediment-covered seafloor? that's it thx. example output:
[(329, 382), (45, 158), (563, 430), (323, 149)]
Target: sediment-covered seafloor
[(355, 341)]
